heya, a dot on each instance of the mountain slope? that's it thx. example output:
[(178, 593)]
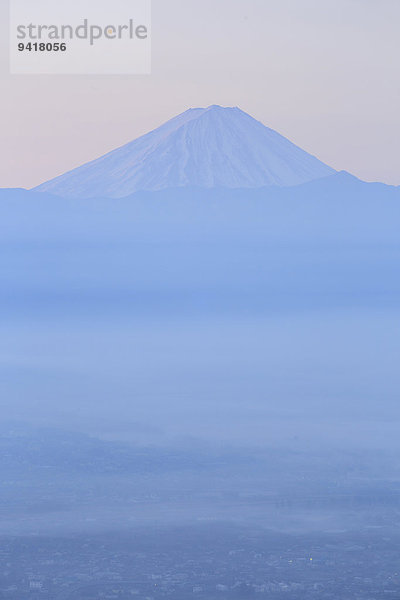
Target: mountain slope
[(203, 147)]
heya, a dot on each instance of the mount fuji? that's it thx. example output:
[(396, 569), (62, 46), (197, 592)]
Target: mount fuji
[(212, 147)]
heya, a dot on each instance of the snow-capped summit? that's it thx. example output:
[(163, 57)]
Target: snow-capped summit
[(202, 147)]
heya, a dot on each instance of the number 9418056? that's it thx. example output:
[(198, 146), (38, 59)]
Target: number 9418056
[(42, 47)]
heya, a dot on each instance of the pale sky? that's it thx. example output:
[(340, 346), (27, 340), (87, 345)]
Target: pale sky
[(324, 73)]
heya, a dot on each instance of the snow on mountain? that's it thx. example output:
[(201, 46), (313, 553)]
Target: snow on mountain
[(202, 147)]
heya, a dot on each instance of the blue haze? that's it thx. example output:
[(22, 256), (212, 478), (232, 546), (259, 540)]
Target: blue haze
[(199, 393), (211, 315)]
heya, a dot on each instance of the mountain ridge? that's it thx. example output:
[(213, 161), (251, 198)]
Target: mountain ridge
[(203, 147)]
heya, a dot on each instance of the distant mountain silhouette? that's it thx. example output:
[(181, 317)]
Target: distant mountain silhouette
[(337, 209), (210, 147)]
